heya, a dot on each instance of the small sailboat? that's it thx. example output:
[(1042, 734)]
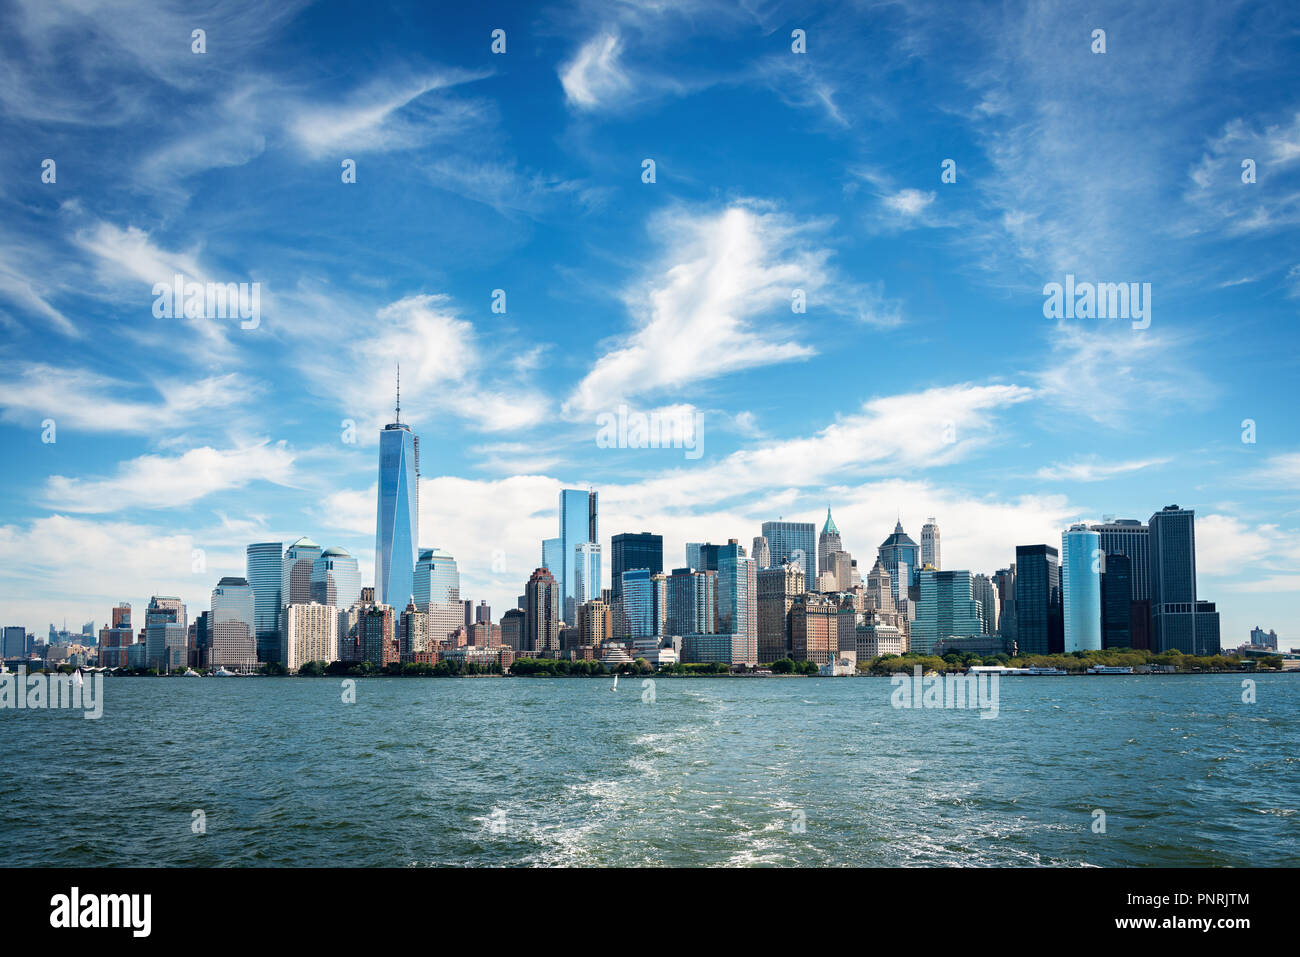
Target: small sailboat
[(77, 679), (615, 688)]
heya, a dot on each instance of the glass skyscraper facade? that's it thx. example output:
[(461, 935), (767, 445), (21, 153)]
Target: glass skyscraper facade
[(796, 541), (634, 550), (1117, 602), (437, 578), (1081, 559), (295, 572), (737, 603), (335, 578), (1038, 600), (231, 626), (262, 571), (397, 523), (578, 524), (1181, 621), (587, 573), (946, 608), (639, 603)]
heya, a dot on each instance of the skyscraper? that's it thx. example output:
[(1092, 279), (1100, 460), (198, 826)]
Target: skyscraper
[(896, 552), (737, 607), (930, 544), (634, 550), (796, 541), (262, 571), (692, 602), (946, 609), (295, 571), (777, 589), (1117, 602), (984, 592), (578, 524), (542, 614), (166, 633), (761, 553), (1039, 629), (1181, 621), (1129, 537), (335, 578), (437, 578), (1081, 558), (231, 628), (828, 543), (587, 575), (397, 519), (1005, 581), (638, 600)]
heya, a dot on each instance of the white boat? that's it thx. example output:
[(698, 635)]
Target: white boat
[(191, 673), (615, 688), (1044, 671), (1110, 670), (223, 673), (77, 679)]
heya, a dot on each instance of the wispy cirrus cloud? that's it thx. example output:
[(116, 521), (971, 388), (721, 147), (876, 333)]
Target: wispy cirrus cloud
[(1094, 470), (696, 314)]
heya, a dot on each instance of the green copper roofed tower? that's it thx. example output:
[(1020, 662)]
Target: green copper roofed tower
[(397, 524), (828, 543)]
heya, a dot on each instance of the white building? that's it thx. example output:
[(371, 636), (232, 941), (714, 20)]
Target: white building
[(308, 632)]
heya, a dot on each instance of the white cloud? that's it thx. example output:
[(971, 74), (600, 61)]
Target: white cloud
[(909, 202), (595, 77), (695, 316), (387, 114), (444, 367), (158, 481), (81, 399), (1092, 470)]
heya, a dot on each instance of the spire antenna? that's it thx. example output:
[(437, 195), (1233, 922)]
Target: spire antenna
[(399, 394)]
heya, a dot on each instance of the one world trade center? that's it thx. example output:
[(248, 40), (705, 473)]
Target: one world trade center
[(397, 524)]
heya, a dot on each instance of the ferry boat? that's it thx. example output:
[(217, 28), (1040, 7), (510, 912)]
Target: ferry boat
[(1110, 670), (1035, 670)]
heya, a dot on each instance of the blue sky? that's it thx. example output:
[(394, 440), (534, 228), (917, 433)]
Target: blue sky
[(923, 378)]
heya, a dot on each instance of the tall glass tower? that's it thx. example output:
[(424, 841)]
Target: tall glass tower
[(1081, 588), (577, 525), (262, 571), (397, 523)]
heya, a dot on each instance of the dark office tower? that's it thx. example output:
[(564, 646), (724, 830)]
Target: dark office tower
[(1130, 537), (542, 614), (1179, 619), (1039, 625), (1117, 602), (1173, 579), (512, 629), (634, 550), (483, 614)]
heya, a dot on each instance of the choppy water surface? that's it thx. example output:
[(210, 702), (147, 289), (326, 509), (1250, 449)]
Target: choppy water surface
[(713, 772)]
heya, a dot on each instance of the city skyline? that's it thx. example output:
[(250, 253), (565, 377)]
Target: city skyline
[(923, 377)]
